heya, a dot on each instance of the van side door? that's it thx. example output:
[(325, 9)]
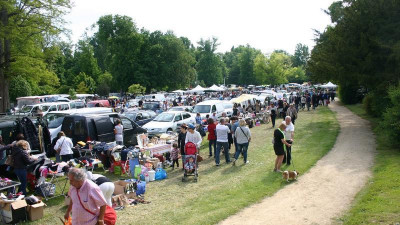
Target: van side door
[(105, 129), (129, 131)]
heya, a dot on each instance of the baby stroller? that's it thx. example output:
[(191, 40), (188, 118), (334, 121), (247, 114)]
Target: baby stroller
[(190, 165)]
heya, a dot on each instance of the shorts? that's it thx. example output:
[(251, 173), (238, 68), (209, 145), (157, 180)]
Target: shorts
[(279, 150)]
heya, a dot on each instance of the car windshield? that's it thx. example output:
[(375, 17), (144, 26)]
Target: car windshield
[(176, 109), (201, 109), (45, 108), (149, 106), (165, 117), (26, 109), (54, 120), (131, 116)]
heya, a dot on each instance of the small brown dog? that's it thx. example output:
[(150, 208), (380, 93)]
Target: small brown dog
[(290, 175)]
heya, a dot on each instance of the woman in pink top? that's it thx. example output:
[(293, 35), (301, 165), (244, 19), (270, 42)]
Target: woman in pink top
[(87, 202)]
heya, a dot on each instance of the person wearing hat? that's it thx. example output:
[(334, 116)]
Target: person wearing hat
[(193, 136)]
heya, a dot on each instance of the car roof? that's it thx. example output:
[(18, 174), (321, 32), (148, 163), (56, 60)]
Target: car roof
[(210, 102)]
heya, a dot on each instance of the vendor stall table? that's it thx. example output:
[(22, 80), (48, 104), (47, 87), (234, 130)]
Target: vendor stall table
[(159, 148), (11, 184), (55, 179)]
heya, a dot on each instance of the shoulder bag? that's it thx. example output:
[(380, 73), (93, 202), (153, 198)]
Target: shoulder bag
[(59, 148), (110, 216), (244, 134)]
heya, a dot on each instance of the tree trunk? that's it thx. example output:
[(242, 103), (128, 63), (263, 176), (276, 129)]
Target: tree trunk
[(5, 56)]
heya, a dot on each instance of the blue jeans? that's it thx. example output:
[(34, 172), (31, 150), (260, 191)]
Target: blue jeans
[(225, 145), (242, 148), (210, 144), (22, 176)]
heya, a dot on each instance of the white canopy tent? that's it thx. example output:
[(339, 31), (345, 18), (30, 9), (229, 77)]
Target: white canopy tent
[(197, 89), (329, 85), (214, 88), (179, 91)]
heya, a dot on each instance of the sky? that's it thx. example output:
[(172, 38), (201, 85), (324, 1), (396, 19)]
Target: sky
[(263, 24)]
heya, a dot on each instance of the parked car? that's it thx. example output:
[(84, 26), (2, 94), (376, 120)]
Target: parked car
[(167, 121), (152, 105), (99, 103), (140, 117), (44, 108), (208, 108), (228, 108), (77, 104), (100, 128), (54, 120), (181, 109)]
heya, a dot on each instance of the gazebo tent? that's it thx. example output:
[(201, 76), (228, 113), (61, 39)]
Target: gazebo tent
[(198, 89), (214, 88), (329, 85)]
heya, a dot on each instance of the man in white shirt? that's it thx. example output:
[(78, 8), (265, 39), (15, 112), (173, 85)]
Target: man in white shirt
[(289, 136), (64, 147), (222, 141), (214, 116), (193, 136), (119, 132)]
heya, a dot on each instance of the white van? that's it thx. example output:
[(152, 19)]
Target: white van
[(154, 97), (33, 110), (209, 107), (54, 120)]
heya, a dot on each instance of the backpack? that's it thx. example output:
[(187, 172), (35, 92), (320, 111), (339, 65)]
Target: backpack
[(190, 148)]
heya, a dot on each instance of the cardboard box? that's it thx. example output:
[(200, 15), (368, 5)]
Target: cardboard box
[(35, 212), (13, 212), (120, 187)]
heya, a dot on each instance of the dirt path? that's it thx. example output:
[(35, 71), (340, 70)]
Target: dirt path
[(327, 190)]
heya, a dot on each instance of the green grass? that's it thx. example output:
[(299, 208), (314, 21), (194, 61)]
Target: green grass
[(223, 191), (379, 200)]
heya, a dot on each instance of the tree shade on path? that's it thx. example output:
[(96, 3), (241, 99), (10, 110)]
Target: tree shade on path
[(327, 190)]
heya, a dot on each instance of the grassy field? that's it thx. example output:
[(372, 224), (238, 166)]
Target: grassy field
[(224, 190), (379, 201)]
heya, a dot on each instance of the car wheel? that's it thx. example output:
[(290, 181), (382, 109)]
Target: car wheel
[(169, 130)]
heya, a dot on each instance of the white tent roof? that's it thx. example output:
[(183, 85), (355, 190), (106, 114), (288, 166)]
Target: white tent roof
[(215, 88), (198, 88), (329, 85), (178, 91)]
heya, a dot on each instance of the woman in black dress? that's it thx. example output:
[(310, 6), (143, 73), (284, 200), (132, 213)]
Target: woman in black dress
[(279, 141)]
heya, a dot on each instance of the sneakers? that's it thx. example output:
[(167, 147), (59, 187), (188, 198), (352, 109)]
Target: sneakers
[(234, 163), (277, 171), (216, 164), (247, 162)]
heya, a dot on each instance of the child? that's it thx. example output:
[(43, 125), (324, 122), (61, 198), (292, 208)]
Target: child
[(189, 166), (175, 155)]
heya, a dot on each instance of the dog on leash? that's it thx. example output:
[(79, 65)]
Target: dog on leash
[(290, 175)]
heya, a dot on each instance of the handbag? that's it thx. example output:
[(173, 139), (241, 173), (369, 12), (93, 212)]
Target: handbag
[(10, 160), (110, 216), (244, 134), (59, 148)]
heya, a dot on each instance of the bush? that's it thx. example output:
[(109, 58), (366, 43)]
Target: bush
[(391, 118), (19, 87), (348, 93), (376, 102)]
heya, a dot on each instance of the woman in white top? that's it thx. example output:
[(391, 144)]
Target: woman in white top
[(119, 132), (243, 137), (64, 147)]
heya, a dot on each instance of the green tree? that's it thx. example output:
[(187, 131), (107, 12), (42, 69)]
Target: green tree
[(19, 87), (85, 61), (209, 65), (84, 84), (25, 23), (301, 55), (278, 65), (260, 68), (72, 93), (136, 89)]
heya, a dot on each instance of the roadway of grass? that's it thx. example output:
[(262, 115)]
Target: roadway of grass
[(224, 190), (379, 201)]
